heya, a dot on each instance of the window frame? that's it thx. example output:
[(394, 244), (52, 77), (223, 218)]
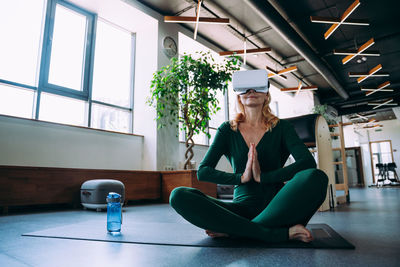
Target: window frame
[(90, 37), (132, 80)]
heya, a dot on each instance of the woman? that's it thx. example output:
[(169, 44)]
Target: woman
[(257, 144)]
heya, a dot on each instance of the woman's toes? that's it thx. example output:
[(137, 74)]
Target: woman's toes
[(299, 232), (214, 234)]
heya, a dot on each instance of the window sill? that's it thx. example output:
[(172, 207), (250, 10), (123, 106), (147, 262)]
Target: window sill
[(66, 125)]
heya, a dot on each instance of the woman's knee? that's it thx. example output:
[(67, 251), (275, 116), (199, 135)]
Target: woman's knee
[(314, 177), (176, 195), (180, 195)]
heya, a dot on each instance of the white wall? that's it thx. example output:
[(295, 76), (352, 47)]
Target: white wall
[(362, 138), (199, 153), (291, 105), (42, 144)]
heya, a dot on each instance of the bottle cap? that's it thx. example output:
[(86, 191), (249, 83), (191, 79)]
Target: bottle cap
[(113, 197)]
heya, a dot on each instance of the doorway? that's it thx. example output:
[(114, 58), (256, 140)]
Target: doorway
[(381, 152), (355, 171)]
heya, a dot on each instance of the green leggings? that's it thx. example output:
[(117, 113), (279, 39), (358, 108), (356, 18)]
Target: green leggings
[(295, 203)]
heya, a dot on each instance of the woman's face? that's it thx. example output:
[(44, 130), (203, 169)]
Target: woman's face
[(252, 99)]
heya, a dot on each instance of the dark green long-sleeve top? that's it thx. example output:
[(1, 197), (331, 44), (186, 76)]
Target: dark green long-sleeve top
[(273, 150)]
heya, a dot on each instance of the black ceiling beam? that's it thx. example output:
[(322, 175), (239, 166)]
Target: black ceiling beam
[(359, 97), (266, 11), (362, 108)]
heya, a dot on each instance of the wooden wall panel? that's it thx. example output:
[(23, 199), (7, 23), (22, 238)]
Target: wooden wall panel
[(42, 185), (188, 178)]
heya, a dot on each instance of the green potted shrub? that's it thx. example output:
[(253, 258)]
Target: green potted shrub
[(185, 92), (322, 110)]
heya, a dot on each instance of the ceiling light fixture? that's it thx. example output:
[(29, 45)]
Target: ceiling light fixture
[(370, 73), (373, 126), (380, 88), (361, 74), (298, 88), (361, 116), (287, 70), (364, 116), (330, 20), (378, 104), (361, 49), (248, 51), (283, 77), (368, 123), (295, 89), (196, 20), (196, 26), (202, 20), (343, 52), (337, 22)]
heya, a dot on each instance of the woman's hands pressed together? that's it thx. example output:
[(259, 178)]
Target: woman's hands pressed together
[(248, 172), (252, 170), (255, 167)]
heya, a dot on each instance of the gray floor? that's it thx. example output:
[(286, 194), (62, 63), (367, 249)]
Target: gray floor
[(371, 222)]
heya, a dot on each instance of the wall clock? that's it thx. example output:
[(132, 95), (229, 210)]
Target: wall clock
[(169, 46)]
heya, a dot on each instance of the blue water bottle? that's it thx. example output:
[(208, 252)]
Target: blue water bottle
[(114, 213)]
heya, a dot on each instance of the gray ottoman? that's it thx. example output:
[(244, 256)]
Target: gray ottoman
[(94, 192)]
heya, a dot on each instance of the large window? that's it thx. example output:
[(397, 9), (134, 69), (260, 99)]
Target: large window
[(21, 31), (67, 56), (63, 64)]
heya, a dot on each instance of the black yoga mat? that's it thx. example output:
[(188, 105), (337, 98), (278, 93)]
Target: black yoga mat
[(184, 234)]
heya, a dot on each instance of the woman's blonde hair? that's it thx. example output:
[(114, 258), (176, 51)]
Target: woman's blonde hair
[(270, 120)]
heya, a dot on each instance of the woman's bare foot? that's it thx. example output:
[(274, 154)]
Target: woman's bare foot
[(215, 235), (299, 232)]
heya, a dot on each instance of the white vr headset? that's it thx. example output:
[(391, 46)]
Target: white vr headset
[(250, 79)]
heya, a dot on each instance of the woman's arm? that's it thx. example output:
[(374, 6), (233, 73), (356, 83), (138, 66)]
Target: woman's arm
[(218, 148), (303, 158)]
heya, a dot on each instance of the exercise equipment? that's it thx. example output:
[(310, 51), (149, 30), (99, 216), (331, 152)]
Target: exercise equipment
[(384, 178), (391, 167), (313, 130)]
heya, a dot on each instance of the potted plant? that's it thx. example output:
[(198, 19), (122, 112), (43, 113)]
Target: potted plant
[(185, 92), (322, 110)]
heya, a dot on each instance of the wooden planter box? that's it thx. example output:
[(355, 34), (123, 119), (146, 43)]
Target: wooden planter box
[(172, 179)]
